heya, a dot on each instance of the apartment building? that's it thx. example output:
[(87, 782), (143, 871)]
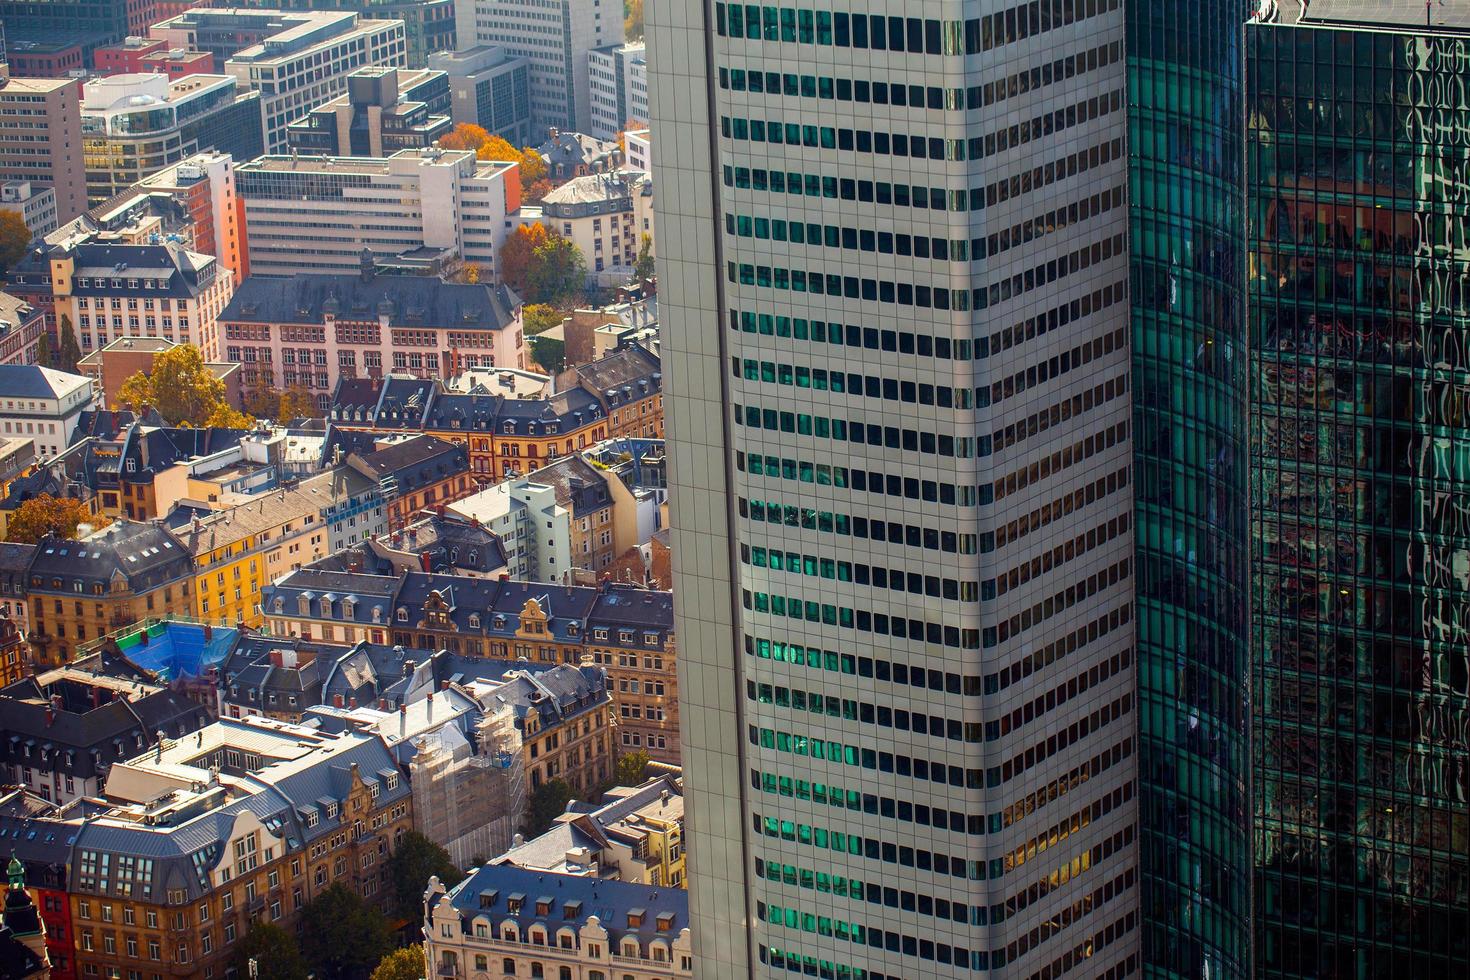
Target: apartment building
[(135, 125), (555, 40), (490, 88), (81, 590), (112, 291), (241, 821), (879, 672), (624, 631), (607, 215), (511, 436), (62, 730), (413, 474), (21, 328), (423, 210), (300, 60), (618, 85), (41, 138), (521, 923), (43, 405), (204, 186), (384, 110), (633, 834)]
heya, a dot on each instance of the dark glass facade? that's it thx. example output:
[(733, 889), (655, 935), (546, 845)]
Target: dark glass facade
[(1359, 177), (1185, 141)]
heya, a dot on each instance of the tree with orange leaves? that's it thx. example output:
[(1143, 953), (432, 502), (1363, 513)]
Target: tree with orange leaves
[(465, 136)]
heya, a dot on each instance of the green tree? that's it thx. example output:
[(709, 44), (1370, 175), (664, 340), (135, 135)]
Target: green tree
[(44, 514), (343, 937), (548, 802), (45, 355), (402, 964), (184, 391), (539, 318), (69, 352), (412, 864), (558, 272), (274, 951), (14, 238), (630, 769), (550, 353), (643, 268)]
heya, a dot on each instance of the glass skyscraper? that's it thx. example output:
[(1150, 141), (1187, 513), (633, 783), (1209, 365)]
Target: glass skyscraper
[(1186, 195), (894, 287), (1359, 183)]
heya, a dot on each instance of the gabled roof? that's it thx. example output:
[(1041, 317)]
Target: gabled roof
[(625, 375), (145, 555)]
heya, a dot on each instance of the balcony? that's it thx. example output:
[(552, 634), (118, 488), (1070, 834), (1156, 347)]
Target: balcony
[(448, 969)]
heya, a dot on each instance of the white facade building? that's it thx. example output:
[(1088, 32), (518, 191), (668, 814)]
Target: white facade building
[(617, 77), (555, 38), (429, 207), (41, 404), (535, 530), (36, 205)]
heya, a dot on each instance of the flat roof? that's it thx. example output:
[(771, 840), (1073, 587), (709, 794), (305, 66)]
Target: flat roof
[(1434, 15)]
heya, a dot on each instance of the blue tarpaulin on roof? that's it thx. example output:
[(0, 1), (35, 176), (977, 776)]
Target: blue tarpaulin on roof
[(178, 650)]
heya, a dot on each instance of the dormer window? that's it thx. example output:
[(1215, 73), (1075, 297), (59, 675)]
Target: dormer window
[(280, 604), (331, 809), (303, 604), (402, 614), (474, 621)]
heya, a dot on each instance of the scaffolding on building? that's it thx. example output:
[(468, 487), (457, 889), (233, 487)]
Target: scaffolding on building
[(469, 798)]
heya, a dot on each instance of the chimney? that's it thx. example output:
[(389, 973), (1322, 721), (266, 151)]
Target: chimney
[(352, 703), (431, 705), (444, 685), (402, 719), (382, 704)]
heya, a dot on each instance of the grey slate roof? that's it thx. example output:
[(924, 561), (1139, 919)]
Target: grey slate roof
[(145, 555), (34, 381), (574, 899), (407, 301)]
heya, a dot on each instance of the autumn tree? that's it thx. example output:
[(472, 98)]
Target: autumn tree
[(182, 388), (536, 192), (558, 272), (498, 148), (297, 403), (44, 514), (515, 255), (643, 267), (633, 19), (533, 168), (69, 352), (415, 860), (401, 964), (465, 136), (14, 238), (538, 318), (274, 951)]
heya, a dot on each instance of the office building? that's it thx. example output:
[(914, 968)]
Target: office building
[(984, 395), (618, 87), (41, 138), (138, 55), (203, 187), (1187, 268), (36, 206), (423, 210), (385, 110), (428, 24), (1362, 834), (42, 404), (296, 61), (555, 39), (490, 88), (112, 19), (136, 125)]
